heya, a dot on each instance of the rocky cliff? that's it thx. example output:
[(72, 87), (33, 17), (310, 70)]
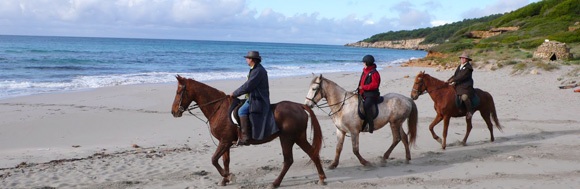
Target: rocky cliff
[(412, 44)]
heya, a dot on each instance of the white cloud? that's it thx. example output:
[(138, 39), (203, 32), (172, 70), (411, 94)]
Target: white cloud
[(212, 20), (410, 17), (499, 6), (439, 22)]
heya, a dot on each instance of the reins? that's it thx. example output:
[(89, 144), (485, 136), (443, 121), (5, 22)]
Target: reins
[(326, 105), (423, 83), (195, 106)]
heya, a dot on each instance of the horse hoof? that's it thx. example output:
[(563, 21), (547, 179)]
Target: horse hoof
[(332, 167), (231, 178), (368, 165), (383, 162), (321, 183)]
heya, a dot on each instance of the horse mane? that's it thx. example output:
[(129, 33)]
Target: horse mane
[(331, 82), (202, 86), (434, 80)]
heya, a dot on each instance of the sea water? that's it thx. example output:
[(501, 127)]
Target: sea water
[(39, 64)]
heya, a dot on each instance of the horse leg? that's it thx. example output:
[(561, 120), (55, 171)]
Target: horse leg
[(445, 129), (486, 116), (340, 142), (286, 144), (405, 139), (354, 139), (468, 130), (306, 147), (396, 139), (436, 121), (226, 162), (221, 150)]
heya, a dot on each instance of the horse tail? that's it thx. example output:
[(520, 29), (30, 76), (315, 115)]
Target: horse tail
[(317, 138), (494, 114), (412, 123)]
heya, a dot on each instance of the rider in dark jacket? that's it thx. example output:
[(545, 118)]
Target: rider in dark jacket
[(255, 112), (463, 82)]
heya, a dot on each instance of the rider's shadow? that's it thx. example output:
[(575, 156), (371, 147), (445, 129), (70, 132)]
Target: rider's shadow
[(434, 161)]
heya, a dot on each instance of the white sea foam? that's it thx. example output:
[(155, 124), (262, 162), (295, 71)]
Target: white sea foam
[(31, 67)]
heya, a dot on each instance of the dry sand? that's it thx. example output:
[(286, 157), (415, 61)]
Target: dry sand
[(125, 137)]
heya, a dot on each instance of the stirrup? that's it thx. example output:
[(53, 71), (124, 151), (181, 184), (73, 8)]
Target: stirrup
[(469, 115), (365, 129), (240, 143)]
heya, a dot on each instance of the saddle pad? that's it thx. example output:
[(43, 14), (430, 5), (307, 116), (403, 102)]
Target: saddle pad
[(233, 111), (475, 101)]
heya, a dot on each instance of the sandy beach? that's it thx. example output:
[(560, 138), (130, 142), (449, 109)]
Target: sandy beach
[(126, 137)]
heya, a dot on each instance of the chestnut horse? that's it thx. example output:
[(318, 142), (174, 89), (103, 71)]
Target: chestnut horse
[(395, 109), (443, 95), (291, 118)]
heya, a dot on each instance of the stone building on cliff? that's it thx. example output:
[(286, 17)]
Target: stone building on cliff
[(553, 50)]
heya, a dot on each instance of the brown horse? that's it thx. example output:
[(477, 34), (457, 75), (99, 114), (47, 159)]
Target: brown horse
[(443, 95), (291, 119)]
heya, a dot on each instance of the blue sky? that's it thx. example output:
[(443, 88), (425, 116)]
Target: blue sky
[(286, 21)]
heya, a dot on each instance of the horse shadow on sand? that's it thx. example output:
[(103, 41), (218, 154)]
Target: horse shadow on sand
[(433, 161)]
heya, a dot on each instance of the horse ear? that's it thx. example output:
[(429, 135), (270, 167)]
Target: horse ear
[(177, 76), (320, 76)]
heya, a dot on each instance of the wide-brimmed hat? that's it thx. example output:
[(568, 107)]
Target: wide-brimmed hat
[(465, 55), (253, 54)]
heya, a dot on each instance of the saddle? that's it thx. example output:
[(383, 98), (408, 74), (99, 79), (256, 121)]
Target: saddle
[(233, 111), (361, 108), (475, 101)]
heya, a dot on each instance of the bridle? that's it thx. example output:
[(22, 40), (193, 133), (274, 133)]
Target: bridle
[(421, 84), (316, 93), (326, 105), (181, 109)]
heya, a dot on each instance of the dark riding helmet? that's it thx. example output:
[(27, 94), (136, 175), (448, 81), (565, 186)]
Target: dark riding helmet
[(368, 59)]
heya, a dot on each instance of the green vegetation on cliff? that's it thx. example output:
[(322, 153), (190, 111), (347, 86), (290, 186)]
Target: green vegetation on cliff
[(547, 19)]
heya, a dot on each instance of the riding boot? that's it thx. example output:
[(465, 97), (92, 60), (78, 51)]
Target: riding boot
[(468, 108), (371, 124), (244, 124)]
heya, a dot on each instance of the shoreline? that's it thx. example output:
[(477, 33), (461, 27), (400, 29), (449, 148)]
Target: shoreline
[(89, 139)]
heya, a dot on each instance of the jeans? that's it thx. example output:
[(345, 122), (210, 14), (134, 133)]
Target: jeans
[(245, 109)]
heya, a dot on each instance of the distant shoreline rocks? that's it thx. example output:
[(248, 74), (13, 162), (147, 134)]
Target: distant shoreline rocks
[(408, 44)]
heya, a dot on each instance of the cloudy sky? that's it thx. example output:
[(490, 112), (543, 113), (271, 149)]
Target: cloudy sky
[(285, 21)]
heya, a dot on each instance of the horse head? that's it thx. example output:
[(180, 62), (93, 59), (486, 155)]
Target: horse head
[(314, 93), (419, 86), (182, 99)]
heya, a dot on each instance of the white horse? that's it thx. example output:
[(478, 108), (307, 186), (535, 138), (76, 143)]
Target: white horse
[(395, 109)]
